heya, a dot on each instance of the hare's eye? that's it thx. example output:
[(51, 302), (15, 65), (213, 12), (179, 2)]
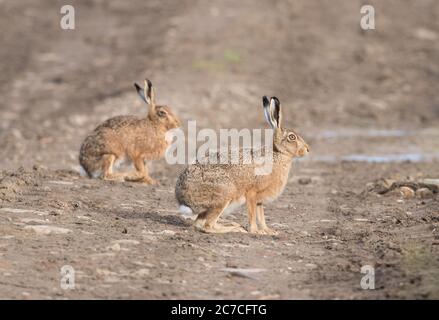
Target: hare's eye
[(292, 137), (161, 113)]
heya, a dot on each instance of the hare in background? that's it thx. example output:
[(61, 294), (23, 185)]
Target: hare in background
[(129, 139), (206, 191)]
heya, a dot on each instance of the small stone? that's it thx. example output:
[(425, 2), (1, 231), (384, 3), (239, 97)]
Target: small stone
[(167, 232), (83, 217), (141, 272), (37, 221), (407, 192), (424, 193), (45, 229), (304, 181), (361, 220), (60, 182), (243, 272), (311, 265), (16, 210), (126, 241), (115, 247), (344, 210), (425, 34), (434, 182)]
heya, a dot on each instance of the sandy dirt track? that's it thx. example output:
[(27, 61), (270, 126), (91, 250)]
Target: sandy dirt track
[(353, 95)]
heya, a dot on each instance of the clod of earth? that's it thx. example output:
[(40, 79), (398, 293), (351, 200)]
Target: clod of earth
[(407, 188)]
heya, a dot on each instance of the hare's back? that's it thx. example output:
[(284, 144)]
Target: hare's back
[(118, 122)]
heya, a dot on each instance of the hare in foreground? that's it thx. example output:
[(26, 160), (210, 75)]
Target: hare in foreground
[(128, 139), (208, 190)]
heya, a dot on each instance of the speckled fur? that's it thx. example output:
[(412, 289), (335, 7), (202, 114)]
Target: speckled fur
[(208, 189), (128, 138)]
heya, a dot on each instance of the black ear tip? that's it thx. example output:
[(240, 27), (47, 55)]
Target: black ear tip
[(276, 100), (148, 82), (265, 100), (136, 86)]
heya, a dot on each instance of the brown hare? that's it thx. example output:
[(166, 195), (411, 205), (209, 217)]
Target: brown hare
[(205, 191), (129, 139)]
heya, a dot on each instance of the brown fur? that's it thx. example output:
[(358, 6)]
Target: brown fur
[(128, 138), (208, 189)]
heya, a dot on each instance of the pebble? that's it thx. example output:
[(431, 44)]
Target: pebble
[(167, 232), (114, 247), (7, 237), (60, 182), (434, 182), (45, 230), (361, 220), (16, 210), (141, 272), (126, 241), (304, 181), (426, 34), (407, 192), (424, 193), (243, 272), (30, 220)]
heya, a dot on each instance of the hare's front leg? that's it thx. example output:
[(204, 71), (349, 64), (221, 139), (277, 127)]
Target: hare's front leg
[(261, 219), (141, 174), (107, 168), (251, 211)]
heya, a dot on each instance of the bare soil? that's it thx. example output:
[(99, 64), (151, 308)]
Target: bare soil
[(347, 91)]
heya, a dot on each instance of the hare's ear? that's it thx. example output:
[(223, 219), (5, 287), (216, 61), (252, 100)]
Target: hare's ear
[(140, 92), (149, 93), (267, 112), (276, 111)]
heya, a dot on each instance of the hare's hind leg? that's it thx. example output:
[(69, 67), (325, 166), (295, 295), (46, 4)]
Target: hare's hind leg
[(141, 174), (211, 224), (107, 168)]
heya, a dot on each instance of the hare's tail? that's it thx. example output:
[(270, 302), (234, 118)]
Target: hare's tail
[(186, 212), (82, 172)]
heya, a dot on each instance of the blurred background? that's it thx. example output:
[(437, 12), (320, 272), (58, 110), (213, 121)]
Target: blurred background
[(349, 92), (366, 101)]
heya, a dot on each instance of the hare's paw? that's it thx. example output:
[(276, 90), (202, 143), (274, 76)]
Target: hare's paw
[(229, 223), (138, 177), (149, 181), (134, 177), (114, 177), (218, 228), (269, 231), (264, 231)]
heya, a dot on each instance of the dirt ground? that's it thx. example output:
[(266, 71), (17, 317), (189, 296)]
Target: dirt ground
[(365, 101)]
